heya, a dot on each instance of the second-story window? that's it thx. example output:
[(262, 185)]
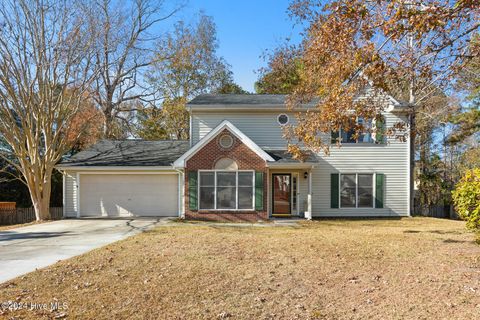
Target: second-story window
[(373, 132)]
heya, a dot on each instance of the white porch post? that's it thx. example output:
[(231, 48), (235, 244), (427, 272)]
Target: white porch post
[(181, 194), (308, 214)]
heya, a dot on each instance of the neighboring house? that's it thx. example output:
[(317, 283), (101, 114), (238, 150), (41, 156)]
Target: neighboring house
[(235, 167)]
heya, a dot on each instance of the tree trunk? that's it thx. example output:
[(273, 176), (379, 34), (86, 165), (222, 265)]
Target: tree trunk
[(422, 198), (108, 129), (42, 209), (40, 195), (108, 111), (413, 128), (412, 161)]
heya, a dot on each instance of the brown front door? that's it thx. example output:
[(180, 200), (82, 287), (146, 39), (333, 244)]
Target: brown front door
[(281, 193)]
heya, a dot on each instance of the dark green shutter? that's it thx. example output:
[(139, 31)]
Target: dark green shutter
[(379, 190), (380, 130), (334, 135), (193, 190), (334, 184), (259, 191)]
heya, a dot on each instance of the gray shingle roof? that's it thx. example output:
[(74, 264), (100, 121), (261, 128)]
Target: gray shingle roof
[(227, 99), (148, 153), (128, 153), (216, 101), (282, 156), (252, 101)]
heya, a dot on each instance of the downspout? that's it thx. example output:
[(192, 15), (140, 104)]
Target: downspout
[(181, 193), (63, 193)]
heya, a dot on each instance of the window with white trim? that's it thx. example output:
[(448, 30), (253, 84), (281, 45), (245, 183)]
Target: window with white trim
[(226, 190), (245, 190), (207, 190), (356, 190), (373, 132)]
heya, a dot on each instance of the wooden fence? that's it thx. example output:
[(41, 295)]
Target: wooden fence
[(436, 211), (9, 214)]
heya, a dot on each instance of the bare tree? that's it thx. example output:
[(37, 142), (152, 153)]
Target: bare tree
[(186, 64), (121, 32), (44, 59)]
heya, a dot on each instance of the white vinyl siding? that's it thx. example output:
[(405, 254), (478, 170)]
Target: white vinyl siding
[(391, 159), (70, 195), (262, 128)]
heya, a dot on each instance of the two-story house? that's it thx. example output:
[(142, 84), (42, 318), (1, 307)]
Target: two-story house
[(236, 168)]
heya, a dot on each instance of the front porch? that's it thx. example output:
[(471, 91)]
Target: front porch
[(289, 191)]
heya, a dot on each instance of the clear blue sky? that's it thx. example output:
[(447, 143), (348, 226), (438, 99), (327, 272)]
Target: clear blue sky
[(245, 29)]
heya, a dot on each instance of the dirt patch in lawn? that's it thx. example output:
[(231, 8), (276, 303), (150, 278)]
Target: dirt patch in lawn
[(333, 269)]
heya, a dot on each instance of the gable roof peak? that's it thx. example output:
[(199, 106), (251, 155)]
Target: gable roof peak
[(225, 124)]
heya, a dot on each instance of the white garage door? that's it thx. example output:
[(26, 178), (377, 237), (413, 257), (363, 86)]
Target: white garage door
[(125, 195)]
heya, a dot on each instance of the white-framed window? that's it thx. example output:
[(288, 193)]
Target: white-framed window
[(283, 119), (356, 190), (373, 132), (207, 190), (226, 190)]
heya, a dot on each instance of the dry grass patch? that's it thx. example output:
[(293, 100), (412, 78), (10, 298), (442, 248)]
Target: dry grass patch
[(333, 269)]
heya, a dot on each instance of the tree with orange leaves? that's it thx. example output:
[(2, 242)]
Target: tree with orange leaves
[(410, 49)]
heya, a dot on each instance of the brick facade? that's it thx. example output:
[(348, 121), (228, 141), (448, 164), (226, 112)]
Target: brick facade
[(246, 159)]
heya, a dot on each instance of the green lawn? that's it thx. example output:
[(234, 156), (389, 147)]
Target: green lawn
[(413, 268)]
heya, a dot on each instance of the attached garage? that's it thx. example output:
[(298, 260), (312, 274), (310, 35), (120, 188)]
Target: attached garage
[(126, 195), (124, 178)]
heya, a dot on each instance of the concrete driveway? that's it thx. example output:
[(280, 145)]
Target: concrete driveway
[(25, 249)]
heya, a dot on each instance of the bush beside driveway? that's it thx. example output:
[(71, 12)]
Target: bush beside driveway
[(413, 268)]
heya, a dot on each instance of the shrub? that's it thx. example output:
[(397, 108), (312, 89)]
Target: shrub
[(466, 198)]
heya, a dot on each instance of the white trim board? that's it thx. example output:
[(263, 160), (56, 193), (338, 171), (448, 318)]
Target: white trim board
[(225, 124)]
